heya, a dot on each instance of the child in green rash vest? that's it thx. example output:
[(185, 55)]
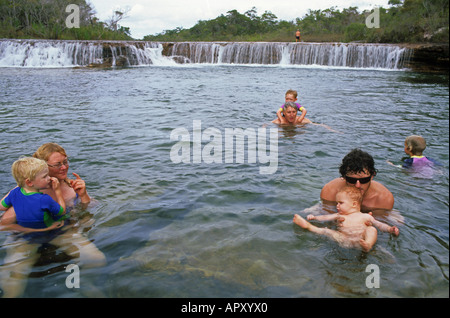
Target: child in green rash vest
[(34, 210)]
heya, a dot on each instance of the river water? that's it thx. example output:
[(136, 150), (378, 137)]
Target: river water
[(190, 228)]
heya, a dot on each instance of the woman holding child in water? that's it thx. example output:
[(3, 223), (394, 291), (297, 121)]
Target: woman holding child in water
[(14, 272), (290, 110)]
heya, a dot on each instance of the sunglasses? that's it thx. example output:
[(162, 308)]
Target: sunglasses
[(354, 180)]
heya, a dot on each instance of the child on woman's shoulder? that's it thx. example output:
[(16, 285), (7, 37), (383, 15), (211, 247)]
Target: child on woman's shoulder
[(291, 96)]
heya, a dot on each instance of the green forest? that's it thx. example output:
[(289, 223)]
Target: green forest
[(414, 21), (46, 19)]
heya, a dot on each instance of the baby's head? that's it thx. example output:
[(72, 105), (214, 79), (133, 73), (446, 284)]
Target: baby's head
[(27, 168), (349, 197), (290, 96), (415, 145)]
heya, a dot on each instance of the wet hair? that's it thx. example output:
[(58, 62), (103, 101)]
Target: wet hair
[(44, 152), (416, 144), (290, 104), (357, 161), (291, 92), (353, 192), (27, 168)]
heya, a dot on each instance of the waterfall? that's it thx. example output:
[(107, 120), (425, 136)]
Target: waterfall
[(58, 53), (37, 53), (350, 55)]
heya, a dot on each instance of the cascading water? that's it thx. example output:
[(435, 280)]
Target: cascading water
[(48, 53), (37, 53)]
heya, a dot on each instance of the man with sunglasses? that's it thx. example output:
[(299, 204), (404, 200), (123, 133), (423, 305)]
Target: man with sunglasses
[(358, 169)]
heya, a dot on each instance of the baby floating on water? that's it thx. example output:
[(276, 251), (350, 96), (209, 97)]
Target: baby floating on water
[(355, 228)]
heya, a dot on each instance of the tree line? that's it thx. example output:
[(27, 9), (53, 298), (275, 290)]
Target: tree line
[(47, 19), (404, 21)]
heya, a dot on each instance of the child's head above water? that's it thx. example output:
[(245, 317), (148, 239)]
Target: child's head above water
[(415, 145), (352, 194), (27, 168), (291, 96)]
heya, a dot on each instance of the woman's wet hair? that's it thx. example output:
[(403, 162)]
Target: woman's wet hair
[(357, 161), (290, 104), (44, 151)]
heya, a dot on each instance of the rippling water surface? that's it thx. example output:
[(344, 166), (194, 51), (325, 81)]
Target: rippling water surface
[(223, 229)]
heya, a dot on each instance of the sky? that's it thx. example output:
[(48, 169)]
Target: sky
[(150, 17)]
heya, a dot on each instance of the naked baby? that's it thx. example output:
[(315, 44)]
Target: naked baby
[(355, 229)]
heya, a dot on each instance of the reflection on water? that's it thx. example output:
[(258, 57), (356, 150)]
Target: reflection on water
[(223, 229)]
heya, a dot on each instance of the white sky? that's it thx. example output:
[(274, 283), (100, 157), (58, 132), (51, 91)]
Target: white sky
[(154, 16)]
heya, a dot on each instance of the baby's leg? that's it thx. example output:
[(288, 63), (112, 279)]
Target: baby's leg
[(369, 238), (335, 235)]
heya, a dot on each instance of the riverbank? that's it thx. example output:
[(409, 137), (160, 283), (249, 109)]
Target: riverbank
[(429, 57)]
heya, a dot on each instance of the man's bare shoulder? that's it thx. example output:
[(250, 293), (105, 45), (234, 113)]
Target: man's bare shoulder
[(330, 189), (385, 198), (306, 121)]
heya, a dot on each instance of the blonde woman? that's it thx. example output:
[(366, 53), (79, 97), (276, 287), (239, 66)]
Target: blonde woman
[(22, 253)]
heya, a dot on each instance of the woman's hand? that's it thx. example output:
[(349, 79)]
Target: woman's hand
[(79, 186)]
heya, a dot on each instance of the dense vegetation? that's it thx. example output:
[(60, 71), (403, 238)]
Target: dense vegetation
[(47, 19), (403, 21)]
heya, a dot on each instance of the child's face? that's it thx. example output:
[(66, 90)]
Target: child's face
[(42, 180), (290, 98), (345, 204)]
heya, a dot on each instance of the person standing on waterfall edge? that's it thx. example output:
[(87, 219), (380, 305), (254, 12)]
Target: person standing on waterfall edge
[(297, 36)]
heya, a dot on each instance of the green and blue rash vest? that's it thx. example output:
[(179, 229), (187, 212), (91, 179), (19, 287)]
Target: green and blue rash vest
[(33, 210)]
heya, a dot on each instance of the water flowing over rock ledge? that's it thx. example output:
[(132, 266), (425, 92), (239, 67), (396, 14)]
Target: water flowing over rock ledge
[(58, 53)]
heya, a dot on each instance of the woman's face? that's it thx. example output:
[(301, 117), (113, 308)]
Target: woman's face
[(290, 114), (58, 166)]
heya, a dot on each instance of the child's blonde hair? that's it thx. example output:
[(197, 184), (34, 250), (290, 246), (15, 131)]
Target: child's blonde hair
[(291, 92), (415, 144), (27, 168), (353, 192)]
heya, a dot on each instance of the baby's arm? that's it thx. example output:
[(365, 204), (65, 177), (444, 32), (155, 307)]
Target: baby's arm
[(280, 115), (59, 197), (18, 228), (8, 223), (3, 206), (323, 217), (384, 227), (300, 119)]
